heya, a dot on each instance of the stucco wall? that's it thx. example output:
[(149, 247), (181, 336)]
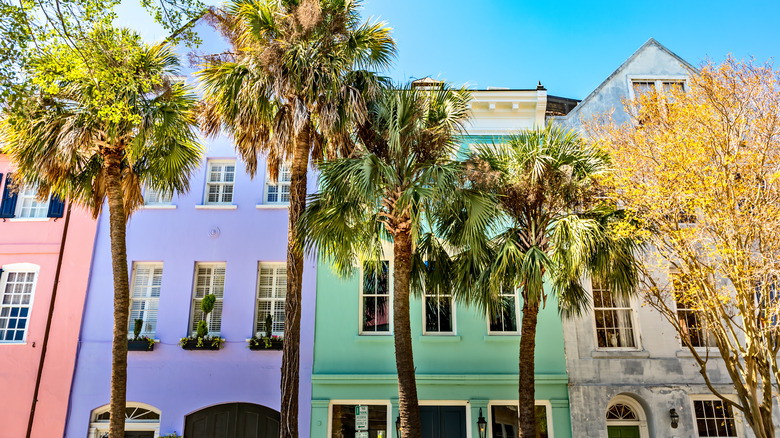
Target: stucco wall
[(38, 242), (660, 374), (470, 367), (173, 380)]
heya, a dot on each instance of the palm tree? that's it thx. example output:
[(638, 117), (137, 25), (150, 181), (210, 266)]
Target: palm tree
[(292, 85), (400, 179), (550, 227), (108, 117)]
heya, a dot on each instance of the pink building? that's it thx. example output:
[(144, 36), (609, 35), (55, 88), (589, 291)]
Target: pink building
[(45, 257)]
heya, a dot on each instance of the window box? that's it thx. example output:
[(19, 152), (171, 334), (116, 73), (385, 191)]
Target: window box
[(274, 343), (140, 344), (208, 343)]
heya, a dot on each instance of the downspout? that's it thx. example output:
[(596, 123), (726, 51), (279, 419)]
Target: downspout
[(48, 322)]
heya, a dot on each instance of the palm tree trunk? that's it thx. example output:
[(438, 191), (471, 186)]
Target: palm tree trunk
[(292, 305), (526, 415), (117, 224), (404, 359)]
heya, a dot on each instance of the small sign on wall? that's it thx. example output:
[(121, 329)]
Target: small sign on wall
[(361, 420), (361, 434)]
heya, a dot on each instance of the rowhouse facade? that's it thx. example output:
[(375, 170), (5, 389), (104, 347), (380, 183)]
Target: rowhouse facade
[(466, 362), (45, 251), (228, 238), (629, 374)]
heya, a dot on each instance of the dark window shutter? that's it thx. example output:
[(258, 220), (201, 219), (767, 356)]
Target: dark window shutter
[(56, 207), (8, 205)]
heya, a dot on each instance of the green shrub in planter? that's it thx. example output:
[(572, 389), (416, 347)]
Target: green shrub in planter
[(139, 324)]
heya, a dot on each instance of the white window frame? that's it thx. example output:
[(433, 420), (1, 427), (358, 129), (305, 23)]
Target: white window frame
[(672, 274), (636, 407), (147, 297), (220, 183), (260, 323), (453, 309), (390, 423), (710, 397), (517, 316), (98, 429), (157, 199), (196, 301), (26, 268), (632, 306), (284, 169), (546, 403), (658, 80), (390, 271), (38, 206)]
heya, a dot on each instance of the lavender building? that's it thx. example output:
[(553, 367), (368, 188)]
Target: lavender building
[(227, 237)]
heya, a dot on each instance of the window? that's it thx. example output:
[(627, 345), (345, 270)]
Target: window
[(505, 320), (614, 319), (644, 86), (28, 205), (219, 182), (714, 418), (156, 197), (17, 287), (439, 313), (140, 421), (504, 421), (343, 421), (278, 193), (375, 299), (209, 279), (768, 304), (271, 292), (689, 316), (145, 296)]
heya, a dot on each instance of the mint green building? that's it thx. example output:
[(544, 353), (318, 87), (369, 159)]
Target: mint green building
[(465, 363)]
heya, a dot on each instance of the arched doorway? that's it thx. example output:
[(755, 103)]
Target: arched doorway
[(626, 418), (141, 421), (233, 420)]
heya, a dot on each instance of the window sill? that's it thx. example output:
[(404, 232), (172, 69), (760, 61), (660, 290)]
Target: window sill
[(29, 219), (375, 338), (495, 337), (440, 338), (13, 343), (272, 206), (216, 207), (686, 353), (158, 207), (619, 354)]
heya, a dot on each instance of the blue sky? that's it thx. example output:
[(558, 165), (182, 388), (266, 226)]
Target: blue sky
[(570, 46)]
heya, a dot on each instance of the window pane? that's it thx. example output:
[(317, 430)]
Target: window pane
[(714, 419), (209, 279), (343, 423), (504, 421), (271, 293), (613, 318), (28, 205), (505, 319), (15, 307)]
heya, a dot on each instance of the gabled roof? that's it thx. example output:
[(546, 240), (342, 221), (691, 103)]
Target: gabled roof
[(650, 42)]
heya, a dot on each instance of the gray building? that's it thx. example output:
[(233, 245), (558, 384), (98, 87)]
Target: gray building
[(627, 367)]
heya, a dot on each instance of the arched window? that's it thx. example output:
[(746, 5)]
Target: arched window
[(620, 411), (141, 421), (625, 417)]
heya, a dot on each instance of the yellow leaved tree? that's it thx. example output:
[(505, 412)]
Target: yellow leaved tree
[(700, 171)]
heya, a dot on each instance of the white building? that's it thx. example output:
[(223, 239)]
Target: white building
[(627, 368)]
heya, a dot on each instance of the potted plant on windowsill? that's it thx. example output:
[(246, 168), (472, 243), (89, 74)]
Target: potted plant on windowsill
[(202, 340), (139, 343), (269, 341)]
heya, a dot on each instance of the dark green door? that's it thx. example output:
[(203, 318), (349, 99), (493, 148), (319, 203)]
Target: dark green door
[(233, 420), (139, 434), (443, 421), (623, 431)]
